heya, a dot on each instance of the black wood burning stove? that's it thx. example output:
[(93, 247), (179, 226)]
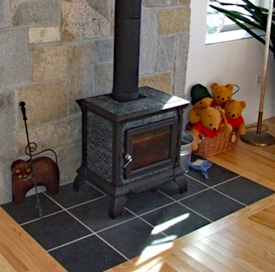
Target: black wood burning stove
[(130, 138)]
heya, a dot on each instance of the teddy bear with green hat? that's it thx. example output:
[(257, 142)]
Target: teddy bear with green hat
[(200, 99)]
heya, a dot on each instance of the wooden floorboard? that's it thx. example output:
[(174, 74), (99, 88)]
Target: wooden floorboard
[(242, 241), (20, 252), (253, 162)]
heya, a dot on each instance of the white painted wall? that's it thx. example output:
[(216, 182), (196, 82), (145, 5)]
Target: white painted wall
[(238, 62)]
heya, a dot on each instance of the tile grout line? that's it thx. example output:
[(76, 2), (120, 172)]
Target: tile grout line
[(96, 188), (214, 189), (148, 223), (178, 202), (153, 210), (71, 242), (63, 209), (115, 225), (183, 198), (44, 216), (208, 188), (92, 232), (78, 205), (85, 202), (199, 181), (139, 216), (221, 183), (204, 217)]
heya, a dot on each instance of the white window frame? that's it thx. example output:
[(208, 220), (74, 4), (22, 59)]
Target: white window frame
[(231, 31), (229, 25)]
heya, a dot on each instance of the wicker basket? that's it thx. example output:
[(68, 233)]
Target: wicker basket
[(221, 143)]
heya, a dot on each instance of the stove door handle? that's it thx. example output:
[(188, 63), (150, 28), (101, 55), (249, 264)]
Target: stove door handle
[(128, 160)]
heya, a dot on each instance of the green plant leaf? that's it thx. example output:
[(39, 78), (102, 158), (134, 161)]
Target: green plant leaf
[(256, 18)]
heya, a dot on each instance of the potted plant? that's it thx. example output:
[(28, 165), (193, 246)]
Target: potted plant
[(249, 17), (260, 18)]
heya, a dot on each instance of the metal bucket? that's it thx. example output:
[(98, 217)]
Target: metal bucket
[(186, 150)]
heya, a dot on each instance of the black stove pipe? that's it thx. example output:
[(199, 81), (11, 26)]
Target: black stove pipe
[(126, 50)]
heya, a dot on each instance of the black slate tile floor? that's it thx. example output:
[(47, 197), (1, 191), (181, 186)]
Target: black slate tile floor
[(76, 230)]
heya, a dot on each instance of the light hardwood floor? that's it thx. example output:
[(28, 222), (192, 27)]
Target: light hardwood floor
[(242, 241), (19, 252), (255, 163)]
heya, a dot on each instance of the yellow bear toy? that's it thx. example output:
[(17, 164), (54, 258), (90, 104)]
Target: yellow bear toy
[(210, 126), (233, 111), (221, 94), (201, 99)]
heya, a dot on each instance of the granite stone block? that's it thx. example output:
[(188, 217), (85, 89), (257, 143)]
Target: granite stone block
[(185, 2), (162, 82), (160, 3), (80, 73), (49, 63), (148, 42), (103, 78), (15, 63), (8, 149), (53, 135), (4, 13), (44, 102), (85, 19), (7, 122), (102, 7), (35, 13), (173, 21), (44, 34), (166, 53), (104, 50), (182, 47)]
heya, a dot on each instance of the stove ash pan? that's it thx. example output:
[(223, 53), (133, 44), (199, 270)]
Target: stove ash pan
[(131, 147)]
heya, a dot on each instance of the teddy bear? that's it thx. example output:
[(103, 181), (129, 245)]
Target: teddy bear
[(221, 94), (210, 125), (233, 111), (200, 99)]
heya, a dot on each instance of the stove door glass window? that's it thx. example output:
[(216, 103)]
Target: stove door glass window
[(151, 146)]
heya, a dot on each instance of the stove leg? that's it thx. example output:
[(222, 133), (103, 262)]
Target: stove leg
[(181, 182), (116, 205), (78, 181)]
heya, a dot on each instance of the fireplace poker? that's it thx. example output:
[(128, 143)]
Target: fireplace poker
[(38, 204)]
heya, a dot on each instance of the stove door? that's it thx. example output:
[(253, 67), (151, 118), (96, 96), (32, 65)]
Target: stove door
[(150, 147)]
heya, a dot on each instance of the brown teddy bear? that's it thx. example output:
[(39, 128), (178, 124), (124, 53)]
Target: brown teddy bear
[(201, 99), (210, 126), (233, 111), (221, 94)]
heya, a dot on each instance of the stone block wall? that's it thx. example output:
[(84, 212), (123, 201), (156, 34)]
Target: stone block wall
[(53, 52)]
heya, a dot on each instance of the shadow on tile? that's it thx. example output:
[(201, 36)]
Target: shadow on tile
[(89, 254)]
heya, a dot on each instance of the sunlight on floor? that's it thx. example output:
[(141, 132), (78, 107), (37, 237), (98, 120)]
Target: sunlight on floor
[(160, 245), (166, 225)]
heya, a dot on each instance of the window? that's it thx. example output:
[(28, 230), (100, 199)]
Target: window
[(218, 23)]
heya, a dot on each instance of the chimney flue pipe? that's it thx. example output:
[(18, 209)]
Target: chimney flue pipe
[(126, 50)]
